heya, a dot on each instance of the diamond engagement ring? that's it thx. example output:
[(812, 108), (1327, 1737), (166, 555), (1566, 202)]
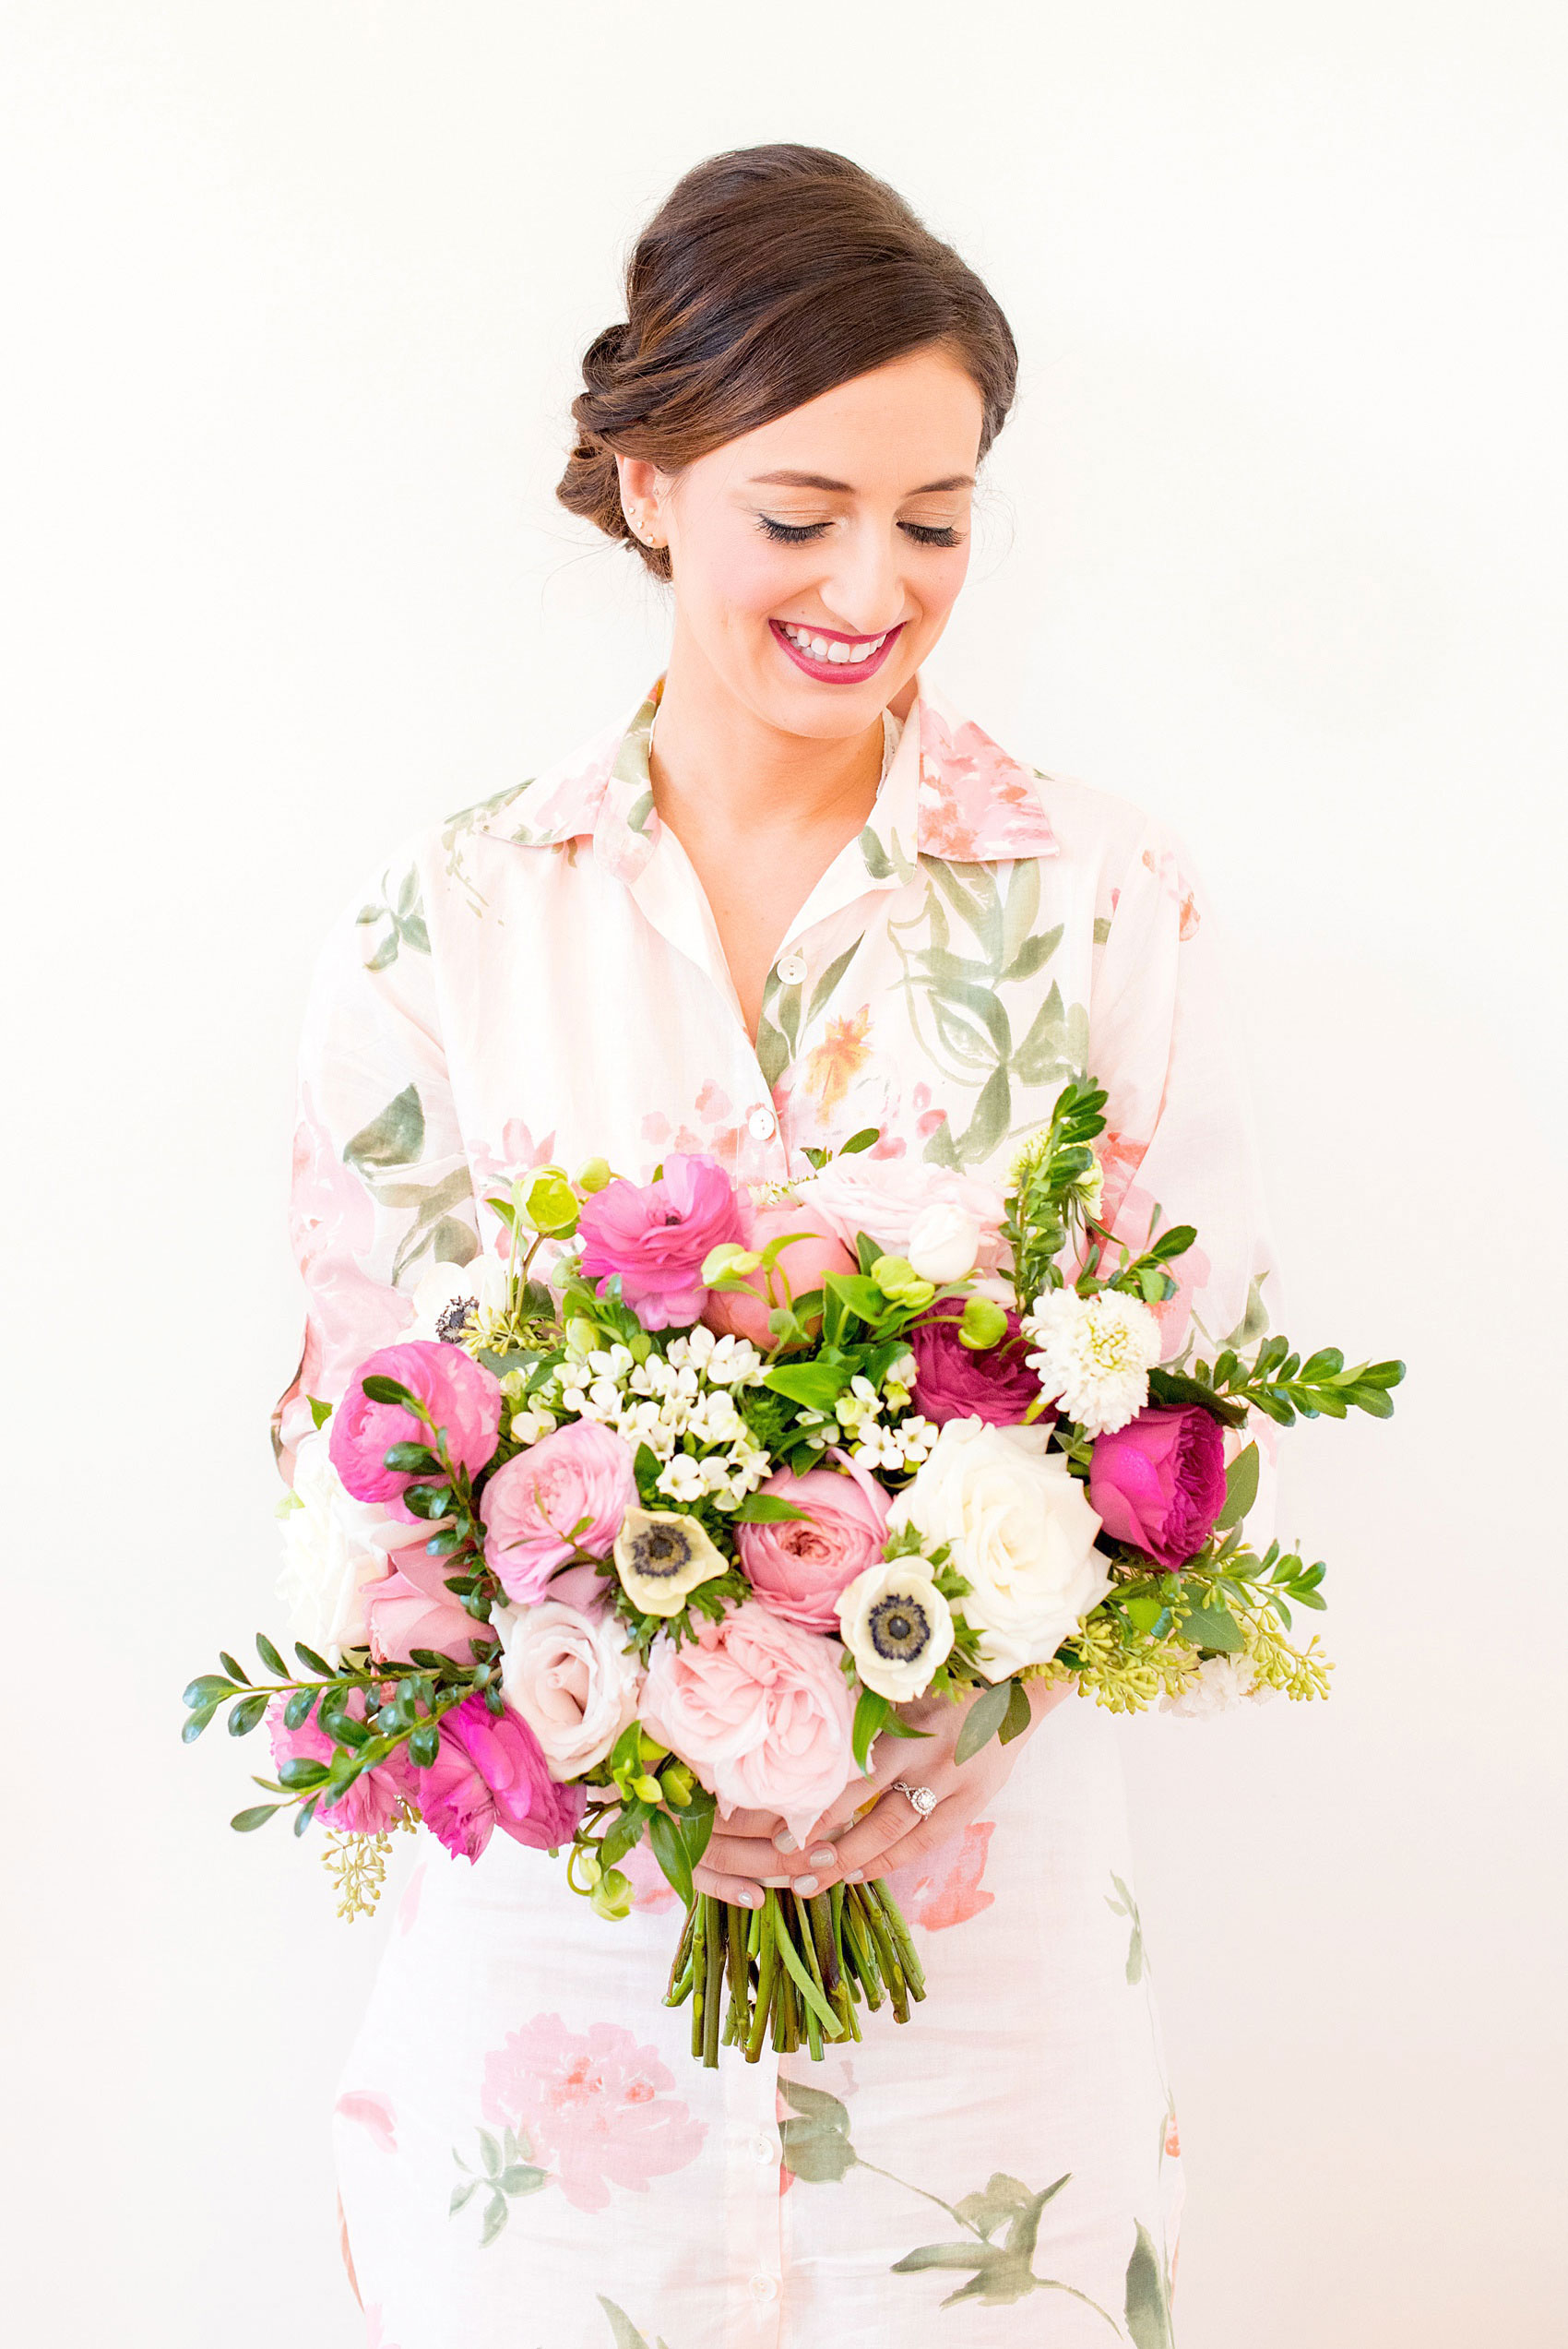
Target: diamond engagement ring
[(922, 1799)]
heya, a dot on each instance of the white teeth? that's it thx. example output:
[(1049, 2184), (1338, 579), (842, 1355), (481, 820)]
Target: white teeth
[(839, 652), (819, 645), (832, 649)]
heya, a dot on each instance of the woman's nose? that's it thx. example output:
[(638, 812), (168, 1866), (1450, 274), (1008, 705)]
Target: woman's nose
[(863, 590)]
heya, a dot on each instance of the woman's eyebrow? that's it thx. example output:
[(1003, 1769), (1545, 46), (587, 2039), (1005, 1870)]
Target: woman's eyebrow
[(820, 480)]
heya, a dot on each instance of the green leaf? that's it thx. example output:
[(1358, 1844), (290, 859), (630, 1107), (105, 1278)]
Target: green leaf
[(763, 1508), (461, 2192), (983, 1720), (871, 1715), (209, 1688), (191, 1728), (1148, 2308), (320, 1412), (302, 1770), (297, 1710), (822, 992), (670, 1851), (425, 1744), (495, 2214), (1210, 1627), (1241, 1487), (411, 1460), (867, 1137), (1003, 2199), (246, 1715), (696, 1827), (245, 1822), (396, 1137), (817, 1384), (232, 1669), (621, 2325), (816, 2136), (382, 1389), (270, 1656), (1018, 1715)]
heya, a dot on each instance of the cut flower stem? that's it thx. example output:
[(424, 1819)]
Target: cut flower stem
[(794, 1970)]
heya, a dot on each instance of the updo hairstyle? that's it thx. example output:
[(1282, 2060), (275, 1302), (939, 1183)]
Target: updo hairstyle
[(765, 277)]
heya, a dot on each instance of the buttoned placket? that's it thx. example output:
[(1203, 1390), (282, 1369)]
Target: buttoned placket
[(753, 2214)]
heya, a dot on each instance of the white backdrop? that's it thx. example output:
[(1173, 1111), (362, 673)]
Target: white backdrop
[(293, 295)]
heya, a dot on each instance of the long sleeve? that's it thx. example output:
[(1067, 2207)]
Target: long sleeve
[(1179, 1144), (381, 1186)]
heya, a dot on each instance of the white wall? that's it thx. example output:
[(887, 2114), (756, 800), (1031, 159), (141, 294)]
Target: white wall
[(293, 292)]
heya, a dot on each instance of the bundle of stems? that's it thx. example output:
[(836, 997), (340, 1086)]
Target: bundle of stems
[(794, 1971)]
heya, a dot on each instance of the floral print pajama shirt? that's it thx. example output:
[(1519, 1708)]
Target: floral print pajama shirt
[(528, 2155)]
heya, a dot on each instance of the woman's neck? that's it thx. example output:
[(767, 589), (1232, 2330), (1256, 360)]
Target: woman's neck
[(718, 770)]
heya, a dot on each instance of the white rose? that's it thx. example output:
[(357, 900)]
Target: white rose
[(898, 1626), (568, 1674), (944, 1242), (886, 1197), (334, 1549), (450, 1296), (1022, 1534)]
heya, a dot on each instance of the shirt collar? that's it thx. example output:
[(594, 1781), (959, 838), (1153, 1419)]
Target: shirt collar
[(949, 792)]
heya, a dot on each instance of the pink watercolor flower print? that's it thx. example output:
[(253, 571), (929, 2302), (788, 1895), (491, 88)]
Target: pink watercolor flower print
[(372, 2112), (946, 1888), (975, 801), (1168, 872), (593, 2106)]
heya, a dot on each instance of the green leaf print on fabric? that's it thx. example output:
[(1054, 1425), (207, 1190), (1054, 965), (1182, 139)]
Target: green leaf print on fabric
[(956, 1003), (817, 2135), (507, 2173), (621, 2325), (395, 1138), (404, 917), (1148, 2298), (1000, 2272), (1126, 1906)]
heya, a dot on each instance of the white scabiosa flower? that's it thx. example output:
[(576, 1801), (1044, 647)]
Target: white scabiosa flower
[(660, 1555), (1217, 1684), (898, 1626), (453, 1300), (1095, 1355)]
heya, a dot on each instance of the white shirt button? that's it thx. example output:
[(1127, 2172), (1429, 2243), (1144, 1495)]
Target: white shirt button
[(765, 2148), (762, 1125), (791, 969), (764, 2287)]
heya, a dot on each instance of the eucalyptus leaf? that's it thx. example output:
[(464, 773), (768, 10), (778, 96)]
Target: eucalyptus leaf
[(983, 1720)]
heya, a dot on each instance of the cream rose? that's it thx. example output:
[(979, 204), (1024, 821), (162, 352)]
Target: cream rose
[(568, 1674), (1022, 1535), (335, 1550), (944, 1240)]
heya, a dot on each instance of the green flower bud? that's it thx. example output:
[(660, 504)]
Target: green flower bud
[(679, 1784), (984, 1324), (583, 1336), (612, 1895), (727, 1258), (901, 1284), (593, 1174), (647, 1790), (551, 1204), (648, 1748)]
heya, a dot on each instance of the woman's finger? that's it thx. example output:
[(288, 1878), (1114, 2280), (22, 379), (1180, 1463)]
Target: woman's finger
[(737, 1890), (865, 1847), (918, 1843), (751, 1856)]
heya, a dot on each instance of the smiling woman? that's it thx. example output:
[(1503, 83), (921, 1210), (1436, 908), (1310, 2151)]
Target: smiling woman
[(793, 900)]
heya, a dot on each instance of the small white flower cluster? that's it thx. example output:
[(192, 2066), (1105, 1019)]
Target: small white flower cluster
[(680, 1403), (1217, 1684), (868, 1437), (1095, 1355)]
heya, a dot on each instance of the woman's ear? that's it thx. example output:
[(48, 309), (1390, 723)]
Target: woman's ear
[(641, 498)]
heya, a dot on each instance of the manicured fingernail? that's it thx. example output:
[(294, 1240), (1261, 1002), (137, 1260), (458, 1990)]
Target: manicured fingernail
[(751, 1899), (785, 1842), (775, 1883), (806, 1884), (824, 1855), (853, 1875)]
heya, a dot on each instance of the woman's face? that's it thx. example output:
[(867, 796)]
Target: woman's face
[(815, 560)]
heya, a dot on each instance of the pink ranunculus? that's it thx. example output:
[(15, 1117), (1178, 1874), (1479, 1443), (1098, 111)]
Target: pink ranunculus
[(802, 1264), (655, 1236), (883, 1196), (491, 1773), (760, 1709), (952, 1381), (411, 1608), (798, 1566), (462, 1397), (372, 1802), (1160, 1481), (566, 1493), (594, 2107)]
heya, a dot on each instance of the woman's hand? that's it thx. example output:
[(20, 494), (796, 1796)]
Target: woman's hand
[(751, 1849)]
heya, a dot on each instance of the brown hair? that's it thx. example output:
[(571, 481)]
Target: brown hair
[(765, 277)]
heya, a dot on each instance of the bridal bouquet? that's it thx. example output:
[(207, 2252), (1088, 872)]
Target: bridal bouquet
[(667, 1509)]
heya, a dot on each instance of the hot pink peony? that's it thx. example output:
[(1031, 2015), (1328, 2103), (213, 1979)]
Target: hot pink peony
[(952, 1381), (1160, 1481), (798, 1567), (655, 1236), (802, 1265), (760, 1709), (372, 1802), (461, 1395), (411, 1608), (566, 1493), (490, 1773)]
